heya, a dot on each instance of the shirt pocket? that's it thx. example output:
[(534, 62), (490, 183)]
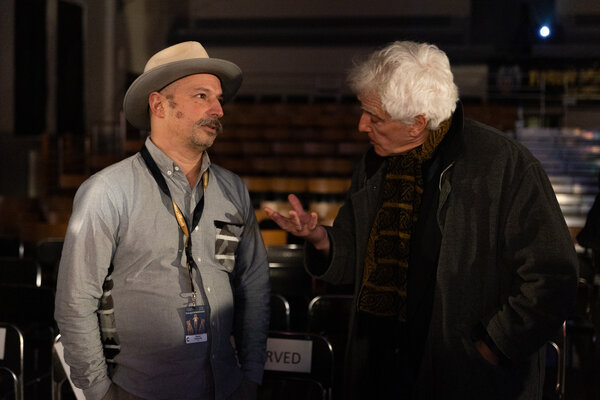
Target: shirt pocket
[(227, 239)]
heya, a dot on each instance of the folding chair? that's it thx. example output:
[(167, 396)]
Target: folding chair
[(556, 363), (280, 313), (290, 279), (8, 384), (287, 254), (300, 366), (329, 316), (20, 271), (31, 310), (47, 253), (12, 357), (11, 246)]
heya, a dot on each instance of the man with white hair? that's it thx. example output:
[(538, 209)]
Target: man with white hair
[(163, 260), (462, 264)]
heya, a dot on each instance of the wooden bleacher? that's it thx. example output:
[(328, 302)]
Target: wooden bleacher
[(282, 148), (571, 158)]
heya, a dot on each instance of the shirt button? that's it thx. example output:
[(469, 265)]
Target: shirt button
[(196, 228), (176, 168), (169, 172), (208, 289), (199, 259)]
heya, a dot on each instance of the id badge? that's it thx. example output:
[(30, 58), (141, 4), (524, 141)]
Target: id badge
[(195, 324)]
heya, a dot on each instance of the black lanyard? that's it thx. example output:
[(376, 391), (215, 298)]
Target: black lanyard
[(181, 221)]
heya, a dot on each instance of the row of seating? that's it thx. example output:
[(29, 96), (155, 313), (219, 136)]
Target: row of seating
[(318, 115), (571, 158), (304, 312), (300, 146), (288, 166)]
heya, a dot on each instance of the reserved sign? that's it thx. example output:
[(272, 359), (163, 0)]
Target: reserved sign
[(2, 342), (288, 355)]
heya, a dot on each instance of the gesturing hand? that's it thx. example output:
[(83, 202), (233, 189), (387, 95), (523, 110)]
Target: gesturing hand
[(301, 224)]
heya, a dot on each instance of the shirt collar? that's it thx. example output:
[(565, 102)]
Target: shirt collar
[(165, 163)]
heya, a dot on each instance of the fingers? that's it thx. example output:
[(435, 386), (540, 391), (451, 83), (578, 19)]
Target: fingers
[(314, 218), (296, 204), (299, 222), (278, 218)]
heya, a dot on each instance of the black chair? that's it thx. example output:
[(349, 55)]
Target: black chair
[(329, 316), (20, 271), (300, 366), (11, 246), (290, 280), (31, 310), (12, 361), (47, 253), (288, 254), (556, 365), (8, 384), (280, 313)]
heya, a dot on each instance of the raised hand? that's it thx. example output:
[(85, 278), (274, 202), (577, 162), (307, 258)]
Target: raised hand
[(301, 224)]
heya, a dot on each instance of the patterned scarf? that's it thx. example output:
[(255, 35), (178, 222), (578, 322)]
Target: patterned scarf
[(383, 290)]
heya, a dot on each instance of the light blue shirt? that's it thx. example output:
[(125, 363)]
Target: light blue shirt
[(121, 217)]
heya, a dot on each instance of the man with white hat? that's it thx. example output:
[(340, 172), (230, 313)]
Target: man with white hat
[(163, 261)]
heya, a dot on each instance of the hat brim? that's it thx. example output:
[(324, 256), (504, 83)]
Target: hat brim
[(135, 103)]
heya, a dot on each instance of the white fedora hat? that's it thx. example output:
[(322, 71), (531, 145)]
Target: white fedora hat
[(169, 65)]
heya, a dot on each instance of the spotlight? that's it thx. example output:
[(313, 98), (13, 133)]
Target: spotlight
[(544, 31)]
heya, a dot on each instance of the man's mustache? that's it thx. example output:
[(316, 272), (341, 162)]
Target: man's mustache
[(211, 123)]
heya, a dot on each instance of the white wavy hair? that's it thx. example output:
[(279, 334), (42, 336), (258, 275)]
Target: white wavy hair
[(410, 79)]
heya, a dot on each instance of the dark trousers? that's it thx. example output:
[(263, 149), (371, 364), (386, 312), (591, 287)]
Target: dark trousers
[(386, 369)]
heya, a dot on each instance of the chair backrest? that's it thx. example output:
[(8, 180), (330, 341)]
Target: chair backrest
[(290, 280), (49, 250), (330, 313), (288, 254), (11, 246), (329, 316), (20, 271), (8, 384), (12, 356), (556, 363), (47, 253), (27, 304), (291, 388), (280, 313), (300, 356)]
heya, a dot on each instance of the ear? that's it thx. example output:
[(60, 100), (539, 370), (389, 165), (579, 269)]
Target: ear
[(419, 125), (156, 103)]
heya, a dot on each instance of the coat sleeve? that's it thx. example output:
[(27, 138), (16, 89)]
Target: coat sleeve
[(86, 257), (339, 267), (540, 253)]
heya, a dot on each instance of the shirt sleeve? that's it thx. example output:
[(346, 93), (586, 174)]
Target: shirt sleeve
[(86, 257), (251, 289)]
